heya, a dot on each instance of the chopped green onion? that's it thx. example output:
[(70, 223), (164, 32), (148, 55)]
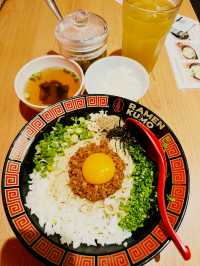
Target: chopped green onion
[(143, 194), (55, 142)]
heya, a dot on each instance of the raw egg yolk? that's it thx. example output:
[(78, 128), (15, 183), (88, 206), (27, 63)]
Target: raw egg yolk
[(98, 168)]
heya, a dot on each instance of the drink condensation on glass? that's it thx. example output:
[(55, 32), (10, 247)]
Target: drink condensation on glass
[(145, 26)]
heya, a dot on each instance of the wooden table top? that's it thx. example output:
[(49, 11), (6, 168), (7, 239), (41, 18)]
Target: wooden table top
[(26, 31)]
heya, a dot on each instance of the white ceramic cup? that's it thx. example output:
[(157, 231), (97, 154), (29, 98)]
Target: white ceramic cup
[(39, 64)]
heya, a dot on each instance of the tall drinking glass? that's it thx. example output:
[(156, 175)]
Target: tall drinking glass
[(145, 26)]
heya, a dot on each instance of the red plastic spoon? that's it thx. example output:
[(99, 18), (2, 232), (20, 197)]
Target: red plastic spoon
[(155, 149)]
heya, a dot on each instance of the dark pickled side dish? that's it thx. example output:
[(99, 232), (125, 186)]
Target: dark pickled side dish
[(51, 85)]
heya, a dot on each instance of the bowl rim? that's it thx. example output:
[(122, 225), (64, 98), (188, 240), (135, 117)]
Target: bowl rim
[(37, 59)]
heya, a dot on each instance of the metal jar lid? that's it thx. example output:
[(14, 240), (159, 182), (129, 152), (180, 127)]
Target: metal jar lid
[(82, 31)]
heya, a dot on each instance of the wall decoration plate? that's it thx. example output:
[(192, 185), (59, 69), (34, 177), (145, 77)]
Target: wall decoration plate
[(146, 242)]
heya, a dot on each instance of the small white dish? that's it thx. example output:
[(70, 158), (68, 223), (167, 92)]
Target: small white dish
[(117, 75), (38, 64)]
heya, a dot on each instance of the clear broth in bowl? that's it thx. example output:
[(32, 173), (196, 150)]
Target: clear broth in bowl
[(51, 85)]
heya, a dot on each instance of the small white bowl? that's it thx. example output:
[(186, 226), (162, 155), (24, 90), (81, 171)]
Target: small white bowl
[(38, 64), (117, 75)]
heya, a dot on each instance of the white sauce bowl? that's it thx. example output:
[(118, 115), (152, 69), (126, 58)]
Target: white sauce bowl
[(117, 75), (39, 64)]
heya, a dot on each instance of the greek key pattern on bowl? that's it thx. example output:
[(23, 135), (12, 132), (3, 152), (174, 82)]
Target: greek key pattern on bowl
[(48, 250), (170, 146), (12, 174), (72, 259), (178, 171), (19, 148), (53, 112), (159, 231), (26, 229), (33, 127), (143, 249), (117, 259), (97, 101), (74, 104)]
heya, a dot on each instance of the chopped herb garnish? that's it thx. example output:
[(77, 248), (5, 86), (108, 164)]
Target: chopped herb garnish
[(170, 198), (76, 79), (35, 76), (66, 71), (165, 145), (143, 193), (73, 75), (55, 142)]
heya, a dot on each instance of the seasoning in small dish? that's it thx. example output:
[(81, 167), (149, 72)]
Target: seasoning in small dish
[(48, 79), (51, 85)]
